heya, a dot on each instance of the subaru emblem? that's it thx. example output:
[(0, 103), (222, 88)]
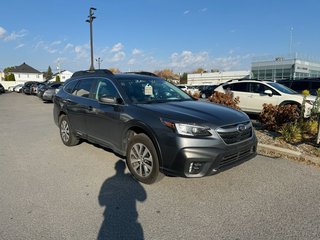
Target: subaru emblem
[(241, 127)]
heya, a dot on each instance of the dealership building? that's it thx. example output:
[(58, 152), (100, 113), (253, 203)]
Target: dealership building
[(284, 68), (263, 68)]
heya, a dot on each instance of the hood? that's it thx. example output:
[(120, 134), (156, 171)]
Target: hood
[(210, 114)]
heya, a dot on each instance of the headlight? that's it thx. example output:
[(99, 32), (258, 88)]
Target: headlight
[(188, 129)]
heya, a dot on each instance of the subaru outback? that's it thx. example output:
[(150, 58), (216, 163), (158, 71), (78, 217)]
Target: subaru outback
[(155, 126)]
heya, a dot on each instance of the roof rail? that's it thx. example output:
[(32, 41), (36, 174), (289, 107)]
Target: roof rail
[(144, 73), (89, 72)]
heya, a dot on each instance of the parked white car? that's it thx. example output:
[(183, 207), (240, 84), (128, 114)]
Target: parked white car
[(18, 88), (253, 94)]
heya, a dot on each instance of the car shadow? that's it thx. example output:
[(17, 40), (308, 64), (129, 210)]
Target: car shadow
[(119, 194)]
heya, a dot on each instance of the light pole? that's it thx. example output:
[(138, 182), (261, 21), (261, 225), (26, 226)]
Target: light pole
[(90, 20), (99, 60)]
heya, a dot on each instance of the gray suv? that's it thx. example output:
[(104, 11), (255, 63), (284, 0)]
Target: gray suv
[(157, 127)]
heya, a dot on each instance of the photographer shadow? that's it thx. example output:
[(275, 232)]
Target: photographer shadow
[(118, 194)]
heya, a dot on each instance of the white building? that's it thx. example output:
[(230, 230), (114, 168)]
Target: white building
[(288, 67), (25, 73), (64, 75), (215, 78), (1, 76)]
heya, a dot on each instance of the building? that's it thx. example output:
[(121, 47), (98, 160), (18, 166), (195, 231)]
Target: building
[(2, 76), (215, 78), (64, 75), (277, 68), (25, 73)]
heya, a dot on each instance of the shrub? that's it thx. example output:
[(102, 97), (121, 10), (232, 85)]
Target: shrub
[(309, 127), (306, 92), (225, 99), (273, 117), (290, 133)]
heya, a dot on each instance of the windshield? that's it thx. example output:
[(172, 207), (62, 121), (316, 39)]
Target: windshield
[(282, 88), (152, 90)]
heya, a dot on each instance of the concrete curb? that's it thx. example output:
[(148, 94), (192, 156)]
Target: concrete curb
[(264, 148)]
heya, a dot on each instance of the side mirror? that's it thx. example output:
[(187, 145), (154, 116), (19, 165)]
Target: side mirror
[(111, 100), (268, 92)]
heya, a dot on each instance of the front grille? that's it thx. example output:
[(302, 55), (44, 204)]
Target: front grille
[(235, 133), (235, 157)]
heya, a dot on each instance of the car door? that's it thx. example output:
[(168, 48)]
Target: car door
[(78, 104), (259, 97), (240, 90), (103, 120)]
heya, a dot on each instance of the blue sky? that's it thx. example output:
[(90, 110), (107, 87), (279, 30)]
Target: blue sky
[(150, 35)]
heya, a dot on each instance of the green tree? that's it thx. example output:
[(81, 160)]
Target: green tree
[(184, 78), (7, 70), (48, 75), (9, 77), (57, 78)]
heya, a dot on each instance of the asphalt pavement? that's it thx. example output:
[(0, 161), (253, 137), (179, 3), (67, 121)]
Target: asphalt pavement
[(50, 191)]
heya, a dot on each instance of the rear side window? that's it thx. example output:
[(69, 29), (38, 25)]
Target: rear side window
[(83, 88), (239, 87)]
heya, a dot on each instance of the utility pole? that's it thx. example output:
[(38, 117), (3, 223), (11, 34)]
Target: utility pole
[(90, 20), (99, 60)]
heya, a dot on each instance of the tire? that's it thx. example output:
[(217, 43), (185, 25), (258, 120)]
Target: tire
[(142, 159), (66, 133)]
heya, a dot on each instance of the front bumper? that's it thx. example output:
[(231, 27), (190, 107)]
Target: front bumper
[(209, 157)]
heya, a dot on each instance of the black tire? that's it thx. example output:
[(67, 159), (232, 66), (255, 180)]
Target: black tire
[(142, 159), (66, 132)]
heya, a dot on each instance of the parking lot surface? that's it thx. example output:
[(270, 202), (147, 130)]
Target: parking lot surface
[(50, 191)]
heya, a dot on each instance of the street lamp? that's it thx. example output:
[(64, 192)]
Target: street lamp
[(90, 20), (99, 60)]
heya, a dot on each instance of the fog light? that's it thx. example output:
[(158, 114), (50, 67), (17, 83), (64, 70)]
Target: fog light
[(195, 167)]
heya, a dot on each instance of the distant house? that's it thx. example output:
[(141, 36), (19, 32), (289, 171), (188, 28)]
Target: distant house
[(25, 73), (64, 75)]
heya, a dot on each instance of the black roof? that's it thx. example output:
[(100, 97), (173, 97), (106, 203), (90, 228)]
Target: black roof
[(24, 68)]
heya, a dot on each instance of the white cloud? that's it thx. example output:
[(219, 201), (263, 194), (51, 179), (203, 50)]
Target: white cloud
[(136, 51), (187, 59), (186, 12), (19, 46), (49, 47), (132, 61), (118, 47), (56, 43), (119, 56), (204, 9), (15, 35), (68, 46), (3, 32), (82, 51)]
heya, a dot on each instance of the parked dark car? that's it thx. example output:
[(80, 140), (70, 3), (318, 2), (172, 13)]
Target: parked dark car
[(299, 85), (156, 126), (2, 90), (206, 90), (27, 87)]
